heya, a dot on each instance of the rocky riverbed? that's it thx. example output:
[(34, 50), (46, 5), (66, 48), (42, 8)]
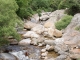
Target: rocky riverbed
[(42, 41)]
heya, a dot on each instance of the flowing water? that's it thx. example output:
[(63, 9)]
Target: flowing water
[(28, 52)]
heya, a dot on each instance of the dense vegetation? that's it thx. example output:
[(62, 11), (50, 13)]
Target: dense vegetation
[(9, 10), (62, 24), (8, 19)]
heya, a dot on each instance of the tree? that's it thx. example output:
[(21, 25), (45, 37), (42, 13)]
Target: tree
[(8, 20), (72, 5)]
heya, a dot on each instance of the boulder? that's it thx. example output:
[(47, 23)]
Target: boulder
[(7, 56), (59, 41), (49, 42), (29, 25), (25, 42), (31, 34), (43, 50), (52, 32), (57, 33), (20, 55), (44, 17), (38, 29), (34, 41)]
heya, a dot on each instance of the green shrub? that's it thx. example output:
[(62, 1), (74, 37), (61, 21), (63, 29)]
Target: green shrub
[(77, 28), (72, 5), (62, 24)]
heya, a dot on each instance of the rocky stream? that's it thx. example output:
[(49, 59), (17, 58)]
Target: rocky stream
[(42, 41)]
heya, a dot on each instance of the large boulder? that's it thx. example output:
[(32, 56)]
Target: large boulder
[(57, 33), (29, 25), (51, 32), (7, 56), (44, 17), (31, 34), (20, 55), (38, 29), (25, 42), (49, 42)]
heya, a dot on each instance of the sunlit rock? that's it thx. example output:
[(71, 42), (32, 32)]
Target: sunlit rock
[(31, 34), (25, 42), (38, 29)]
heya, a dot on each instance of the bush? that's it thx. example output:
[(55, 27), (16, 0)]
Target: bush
[(77, 28), (72, 5), (62, 24)]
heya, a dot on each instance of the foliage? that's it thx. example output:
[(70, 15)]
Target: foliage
[(77, 28), (62, 24), (8, 19), (72, 5), (28, 7)]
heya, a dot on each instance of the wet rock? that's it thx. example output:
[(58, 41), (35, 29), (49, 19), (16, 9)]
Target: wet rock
[(25, 42), (31, 34), (20, 55), (7, 56), (38, 29), (36, 41)]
